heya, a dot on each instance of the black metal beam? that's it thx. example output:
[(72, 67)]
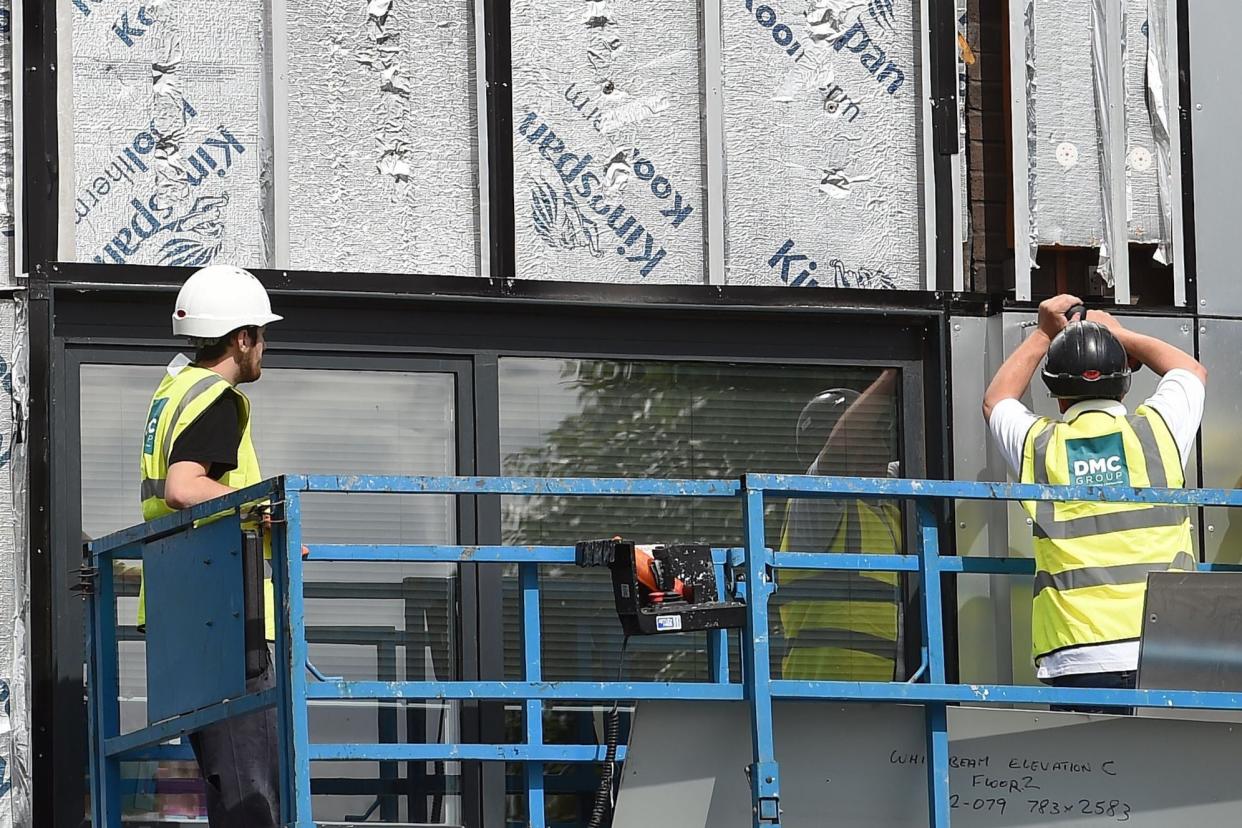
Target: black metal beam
[(942, 37), (498, 45), (40, 166), (1184, 123), (130, 279)]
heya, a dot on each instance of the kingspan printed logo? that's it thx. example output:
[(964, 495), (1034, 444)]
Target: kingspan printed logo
[(190, 237), (561, 224), (1097, 461)]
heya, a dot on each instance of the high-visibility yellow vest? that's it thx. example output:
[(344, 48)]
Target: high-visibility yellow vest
[(840, 625), (179, 400), (1092, 559)]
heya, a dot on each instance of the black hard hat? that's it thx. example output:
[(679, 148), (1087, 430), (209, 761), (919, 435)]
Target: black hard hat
[(818, 418), (1086, 361)]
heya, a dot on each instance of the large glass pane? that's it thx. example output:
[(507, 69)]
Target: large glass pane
[(610, 418), (366, 622), (605, 418)]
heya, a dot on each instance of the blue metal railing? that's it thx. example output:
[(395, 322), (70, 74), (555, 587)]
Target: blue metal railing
[(294, 691)]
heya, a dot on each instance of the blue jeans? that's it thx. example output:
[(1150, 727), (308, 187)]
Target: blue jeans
[(1125, 680)]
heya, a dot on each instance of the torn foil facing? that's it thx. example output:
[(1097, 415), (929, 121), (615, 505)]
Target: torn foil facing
[(6, 146), (1156, 76), (1032, 136), (823, 143), (383, 149), (1142, 169), (1109, 142), (608, 141), (167, 146)]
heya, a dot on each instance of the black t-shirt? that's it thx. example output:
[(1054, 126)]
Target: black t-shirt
[(212, 439)]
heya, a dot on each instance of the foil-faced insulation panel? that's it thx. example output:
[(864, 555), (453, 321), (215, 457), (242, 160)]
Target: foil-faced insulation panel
[(170, 165), (1142, 172), (15, 781), (6, 144), (1067, 207), (823, 143), (382, 136), (608, 144)]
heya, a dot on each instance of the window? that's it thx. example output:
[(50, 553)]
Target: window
[(620, 418), (365, 622)]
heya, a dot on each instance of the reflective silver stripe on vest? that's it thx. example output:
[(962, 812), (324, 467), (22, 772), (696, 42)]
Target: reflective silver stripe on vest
[(1151, 449), (1094, 576), (195, 391), (808, 638), (152, 488), (836, 585), (1153, 517)]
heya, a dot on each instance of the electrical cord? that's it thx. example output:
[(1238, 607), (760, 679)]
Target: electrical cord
[(604, 802)]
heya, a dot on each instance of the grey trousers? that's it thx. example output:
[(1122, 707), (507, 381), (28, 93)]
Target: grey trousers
[(240, 764)]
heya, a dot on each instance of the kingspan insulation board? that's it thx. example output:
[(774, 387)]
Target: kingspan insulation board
[(1142, 171), (823, 143), (608, 140), (1067, 149), (170, 164), (382, 136)]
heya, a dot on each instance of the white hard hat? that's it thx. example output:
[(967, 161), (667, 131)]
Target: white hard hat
[(220, 299)]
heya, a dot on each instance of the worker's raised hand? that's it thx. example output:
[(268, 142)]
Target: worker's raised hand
[(1106, 319), (1052, 318)]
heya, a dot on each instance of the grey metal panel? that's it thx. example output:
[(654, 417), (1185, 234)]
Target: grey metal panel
[(1190, 637), (1216, 122), (982, 601), (1015, 327), (1219, 343), (863, 765)]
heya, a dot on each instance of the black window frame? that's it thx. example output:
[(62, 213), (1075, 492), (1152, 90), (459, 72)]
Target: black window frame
[(89, 309)]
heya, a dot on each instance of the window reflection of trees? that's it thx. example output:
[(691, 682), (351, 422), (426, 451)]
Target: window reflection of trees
[(651, 420)]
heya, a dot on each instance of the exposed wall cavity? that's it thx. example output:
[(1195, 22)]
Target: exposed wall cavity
[(383, 153), (608, 140), (823, 143), (1067, 193), (167, 145)]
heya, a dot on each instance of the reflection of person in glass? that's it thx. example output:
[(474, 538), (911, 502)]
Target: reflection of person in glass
[(844, 625)]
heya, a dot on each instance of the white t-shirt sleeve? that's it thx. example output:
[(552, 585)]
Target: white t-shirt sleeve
[(1010, 422), (1179, 400)]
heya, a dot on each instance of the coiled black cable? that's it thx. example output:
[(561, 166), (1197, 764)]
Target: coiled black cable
[(604, 804)]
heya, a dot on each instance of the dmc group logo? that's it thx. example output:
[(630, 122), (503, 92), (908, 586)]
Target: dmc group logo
[(1097, 461)]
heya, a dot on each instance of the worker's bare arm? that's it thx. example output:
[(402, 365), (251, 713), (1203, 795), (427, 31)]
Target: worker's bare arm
[(874, 401), (1011, 381), (1158, 355), (188, 485)]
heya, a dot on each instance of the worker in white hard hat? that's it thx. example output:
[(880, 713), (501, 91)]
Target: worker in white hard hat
[(197, 447)]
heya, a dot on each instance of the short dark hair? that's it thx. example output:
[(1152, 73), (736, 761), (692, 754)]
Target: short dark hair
[(216, 350)]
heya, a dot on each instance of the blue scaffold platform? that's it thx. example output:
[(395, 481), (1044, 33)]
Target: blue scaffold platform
[(196, 660)]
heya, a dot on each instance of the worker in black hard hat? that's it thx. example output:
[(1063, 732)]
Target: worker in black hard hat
[(838, 624), (1092, 559)]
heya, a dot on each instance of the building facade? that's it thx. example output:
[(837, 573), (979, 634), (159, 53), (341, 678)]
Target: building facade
[(556, 238)]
